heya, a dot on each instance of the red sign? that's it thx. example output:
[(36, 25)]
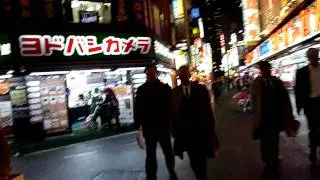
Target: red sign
[(38, 45), (222, 43)]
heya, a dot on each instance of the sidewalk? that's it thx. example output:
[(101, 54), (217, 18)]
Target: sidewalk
[(120, 158), (77, 136)]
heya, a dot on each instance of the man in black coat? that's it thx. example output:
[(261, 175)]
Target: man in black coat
[(193, 123), (307, 91), (152, 113)]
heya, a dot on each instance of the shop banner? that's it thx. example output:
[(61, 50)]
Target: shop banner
[(297, 30), (54, 104), (83, 45)]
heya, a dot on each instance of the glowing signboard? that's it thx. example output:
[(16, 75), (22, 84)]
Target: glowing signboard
[(178, 9), (195, 13), (164, 51), (251, 20), (200, 24), (45, 45), (222, 44)]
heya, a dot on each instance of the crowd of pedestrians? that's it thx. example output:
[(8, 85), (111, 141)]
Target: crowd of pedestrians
[(185, 113)]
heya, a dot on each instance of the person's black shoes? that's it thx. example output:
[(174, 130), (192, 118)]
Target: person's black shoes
[(313, 157), (173, 176), (271, 171)]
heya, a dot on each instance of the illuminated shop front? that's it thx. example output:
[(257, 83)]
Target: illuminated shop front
[(66, 73), (286, 48)]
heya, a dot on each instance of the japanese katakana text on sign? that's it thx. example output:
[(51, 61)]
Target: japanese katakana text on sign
[(45, 45)]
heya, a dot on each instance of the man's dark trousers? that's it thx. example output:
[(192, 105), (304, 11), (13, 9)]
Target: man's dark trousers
[(198, 161), (151, 159), (313, 117), (270, 148)]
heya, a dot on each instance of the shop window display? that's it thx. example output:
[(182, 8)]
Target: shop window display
[(88, 11), (91, 87), (58, 101)]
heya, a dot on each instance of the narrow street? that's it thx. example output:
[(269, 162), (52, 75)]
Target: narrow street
[(120, 158)]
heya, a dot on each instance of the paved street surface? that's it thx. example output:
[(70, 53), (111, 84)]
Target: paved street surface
[(119, 158)]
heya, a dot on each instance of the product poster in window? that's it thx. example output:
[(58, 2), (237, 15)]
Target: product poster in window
[(18, 96), (6, 122), (54, 104), (124, 96), (34, 99)]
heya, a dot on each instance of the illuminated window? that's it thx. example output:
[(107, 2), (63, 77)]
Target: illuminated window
[(88, 11)]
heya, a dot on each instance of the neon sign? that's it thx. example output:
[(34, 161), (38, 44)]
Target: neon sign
[(222, 44), (195, 13), (45, 45), (178, 9)]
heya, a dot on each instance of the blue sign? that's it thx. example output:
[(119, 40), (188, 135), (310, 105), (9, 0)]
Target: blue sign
[(265, 48), (195, 13)]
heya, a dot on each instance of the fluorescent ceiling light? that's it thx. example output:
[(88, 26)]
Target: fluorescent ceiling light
[(164, 70), (7, 76), (96, 70), (49, 73), (139, 76), (139, 81), (132, 69)]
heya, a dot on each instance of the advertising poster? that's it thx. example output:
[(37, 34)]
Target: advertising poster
[(124, 96), (18, 96), (54, 104), (34, 99), (6, 121), (251, 21)]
